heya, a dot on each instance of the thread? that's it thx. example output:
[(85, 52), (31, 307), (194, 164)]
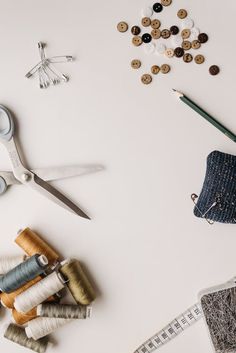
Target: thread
[(17, 335), (23, 273), (78, 284), (42, 326), (21, 318), (39, 292), (7, 263), (32, 244), (64, 311)]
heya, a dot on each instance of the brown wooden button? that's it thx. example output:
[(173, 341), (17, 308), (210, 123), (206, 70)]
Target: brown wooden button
[(122, 27), (135, 30), (156, 33), (155, 24), (187, 58), (179, 52), (137, 41), (196, 44), (155, 69), (166, 2), (146, 79), (135, 64), (165, 33), (203, 37), (146, 21), (214, 70), (182, 13), (186, 45), (169, 53), (165, 68), (199, 59), (185, 33), (174, 30)]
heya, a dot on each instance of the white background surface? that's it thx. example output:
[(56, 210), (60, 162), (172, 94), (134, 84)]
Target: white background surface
[(147, 254)]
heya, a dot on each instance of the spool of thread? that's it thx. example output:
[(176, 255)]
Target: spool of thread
[(7, 263), (32, 244), (23, 273), (42, 326), (21, 318), (77, 282), (64, 311), (39, 292), (17, 334)]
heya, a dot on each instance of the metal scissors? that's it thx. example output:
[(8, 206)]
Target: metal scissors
[(36, 179)]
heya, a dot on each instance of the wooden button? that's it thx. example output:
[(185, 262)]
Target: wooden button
[(122, 27), (169, 53), (165, 68), (203, 37), (146, 21), (146, 79), (186, 45), (166, 2), (185, 33), (135, 30), (155, 24), (187, 58), (174, 30), (179, 52), (155, 69), (214, 70), (199, 59), (135, 64), (182, 13), (165, 33), (156, 33), (137, 41), (196, 44)]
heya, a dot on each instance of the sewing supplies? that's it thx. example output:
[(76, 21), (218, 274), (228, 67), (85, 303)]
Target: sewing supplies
[(23, 318), (26, 176), (154, 39), (17, 335), (43, 326), (48, 74), (23, 273), (77, 282), (205, 115), (64, 311), (7, 263)]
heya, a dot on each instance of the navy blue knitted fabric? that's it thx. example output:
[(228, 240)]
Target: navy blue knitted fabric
[(219, 185)]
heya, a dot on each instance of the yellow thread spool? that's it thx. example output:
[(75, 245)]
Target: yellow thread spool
[(21, 318), (32, 244), (78, 283)]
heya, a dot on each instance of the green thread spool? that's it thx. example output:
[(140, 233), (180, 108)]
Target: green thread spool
[(77, 282)]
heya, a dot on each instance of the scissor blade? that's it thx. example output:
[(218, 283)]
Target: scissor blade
[(54, 195)]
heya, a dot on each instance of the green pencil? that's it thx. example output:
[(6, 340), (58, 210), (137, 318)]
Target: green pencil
[(205, 115)]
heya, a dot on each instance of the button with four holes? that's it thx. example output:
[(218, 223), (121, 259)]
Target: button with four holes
[(135, 30), (187, 58), (165, 68), (182, 13), (155, 24), (199, 59), (155, 69), (137, 41), (165, 33), (196, 44), (186, 45), (157, 7), (136, 64), (122, 27), (146, 21), (169, 53), (146, 79), (146, 38)]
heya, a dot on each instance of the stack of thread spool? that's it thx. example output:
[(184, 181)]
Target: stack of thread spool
[(31, 288)]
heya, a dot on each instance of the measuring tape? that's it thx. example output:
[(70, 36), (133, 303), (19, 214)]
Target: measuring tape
[(178, 325)]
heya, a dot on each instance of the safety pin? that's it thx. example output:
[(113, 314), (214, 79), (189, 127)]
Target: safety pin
[(193, 198)]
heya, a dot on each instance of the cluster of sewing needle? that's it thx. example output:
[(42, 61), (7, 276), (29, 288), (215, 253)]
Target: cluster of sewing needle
[(47, 73), (31, 287)]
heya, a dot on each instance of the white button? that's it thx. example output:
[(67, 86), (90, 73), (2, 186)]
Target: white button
[(149, 48), (194, 33), (187, 23), (169, 52), (160, 48), (177, 40), (147, 12)]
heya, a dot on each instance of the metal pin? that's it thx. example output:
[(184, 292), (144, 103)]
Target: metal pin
[(194, 197)]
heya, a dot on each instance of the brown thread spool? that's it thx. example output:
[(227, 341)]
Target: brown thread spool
[(78, 283), (32, 244), (21, 318)]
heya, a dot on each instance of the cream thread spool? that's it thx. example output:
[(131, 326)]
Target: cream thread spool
[(43, 326), (64, 311), (39, 292), (7, 263)]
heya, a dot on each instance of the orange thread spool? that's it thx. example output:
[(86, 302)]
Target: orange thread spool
[(21, 318)]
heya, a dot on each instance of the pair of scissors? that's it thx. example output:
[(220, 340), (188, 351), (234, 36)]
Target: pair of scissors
[(36, 179)]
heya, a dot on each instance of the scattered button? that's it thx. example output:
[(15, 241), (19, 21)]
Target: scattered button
[(185, 33), (157, 7), (177, 41), (146, 38), (146, 79), (166, 2), (199, 59), (182, 13), (155, 24), (146, 21), (203, 37), (188, 23), (165, 33), (135, 64), (160, 48), (195, 32), (174, 30), (122, 27), (147, 12), (214, 70), (169, 52), (135, 30), (196, 44), (149, 48), (155, 69), (165, 68), (187, 58), (156, 33), (137, 41), (186, 45), (179, 52)]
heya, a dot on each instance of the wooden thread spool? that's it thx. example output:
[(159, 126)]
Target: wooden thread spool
[(32, 244)]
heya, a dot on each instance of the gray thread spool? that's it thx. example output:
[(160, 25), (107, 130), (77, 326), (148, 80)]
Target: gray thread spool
[(64, 311), (17, 335), (23, 273)]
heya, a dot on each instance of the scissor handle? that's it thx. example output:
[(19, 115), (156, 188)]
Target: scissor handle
[(3, 186), (6, 124)]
